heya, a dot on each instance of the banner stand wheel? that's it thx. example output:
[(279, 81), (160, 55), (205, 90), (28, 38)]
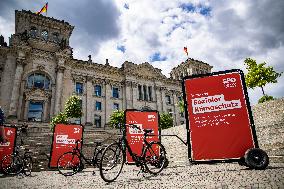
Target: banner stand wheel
[(256, 158)]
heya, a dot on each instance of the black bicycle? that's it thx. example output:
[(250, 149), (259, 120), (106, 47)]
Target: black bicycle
[(71, 162), (151, 160), (16, 163)]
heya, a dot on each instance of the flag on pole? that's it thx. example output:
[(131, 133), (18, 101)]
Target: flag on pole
[(185, 50), (43, 9)]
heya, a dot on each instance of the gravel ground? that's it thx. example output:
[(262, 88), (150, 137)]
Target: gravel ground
[(179, 174)]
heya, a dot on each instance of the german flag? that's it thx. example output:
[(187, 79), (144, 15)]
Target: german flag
[(43, 9), (185, 50)]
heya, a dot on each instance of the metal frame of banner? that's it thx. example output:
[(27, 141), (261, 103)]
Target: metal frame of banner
[(247, 106)]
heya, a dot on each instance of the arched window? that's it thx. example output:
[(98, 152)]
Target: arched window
[(39, 81), (33, 31), (44, 34)]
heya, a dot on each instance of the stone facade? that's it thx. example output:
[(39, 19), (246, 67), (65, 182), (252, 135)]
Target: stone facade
[(38, 74)]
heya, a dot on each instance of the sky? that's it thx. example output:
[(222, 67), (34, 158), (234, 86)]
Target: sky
[(221, 33)]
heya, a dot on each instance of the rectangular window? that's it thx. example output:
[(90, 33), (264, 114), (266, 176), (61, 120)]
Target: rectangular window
[(115, 92), (179, 98), (79, 88), (145, 92), (140, 92), (115, 106), (98, 121), (98, 90), (98, 105), (168, 99), (150, 93)]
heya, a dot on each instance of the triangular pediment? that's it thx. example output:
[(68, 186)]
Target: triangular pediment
[(144, 70)]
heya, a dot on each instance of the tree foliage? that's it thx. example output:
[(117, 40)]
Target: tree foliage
[(166, 121), (265, 98), (258, 75), (73, 108), (181, 105), (59, 118), (117, 119)]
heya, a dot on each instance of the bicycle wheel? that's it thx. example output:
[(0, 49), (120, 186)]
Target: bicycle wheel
[(111, 162), (28, 165), (12, 164), (155, 157), (69, 163), (97, 159)]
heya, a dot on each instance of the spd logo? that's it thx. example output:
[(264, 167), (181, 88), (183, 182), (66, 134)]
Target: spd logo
[(151, 117), (229, 82)]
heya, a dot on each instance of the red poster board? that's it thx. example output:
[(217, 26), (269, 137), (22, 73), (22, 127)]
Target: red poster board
[(218, 116), (64, 138), (135, 137), (8, 147)]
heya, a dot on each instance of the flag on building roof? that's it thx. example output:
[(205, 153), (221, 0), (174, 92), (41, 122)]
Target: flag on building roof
[(185, 50), (43, 9)]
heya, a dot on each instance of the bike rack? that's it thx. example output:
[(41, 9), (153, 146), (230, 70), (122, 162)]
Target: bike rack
[(185, 143)]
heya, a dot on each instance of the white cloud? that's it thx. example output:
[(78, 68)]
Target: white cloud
[(233, 31)]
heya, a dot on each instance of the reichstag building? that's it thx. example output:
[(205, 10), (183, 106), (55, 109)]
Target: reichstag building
[(38, 74)]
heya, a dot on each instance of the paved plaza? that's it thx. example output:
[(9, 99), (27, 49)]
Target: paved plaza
[(177, 175)]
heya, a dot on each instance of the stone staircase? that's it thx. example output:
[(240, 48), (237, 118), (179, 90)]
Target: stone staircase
[(38, 140)]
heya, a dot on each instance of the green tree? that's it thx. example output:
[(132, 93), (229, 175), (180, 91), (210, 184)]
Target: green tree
[(166, 121), (117, 119), (258, 75), (181, 105), (73, 107)]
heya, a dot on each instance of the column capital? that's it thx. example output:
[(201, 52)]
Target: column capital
[(60, 69), (21, 61)]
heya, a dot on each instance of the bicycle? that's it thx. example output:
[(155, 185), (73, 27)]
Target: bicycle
[(70, 162), (151, 160), (15, 163)]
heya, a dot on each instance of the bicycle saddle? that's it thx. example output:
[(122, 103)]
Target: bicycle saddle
[(148, 130)]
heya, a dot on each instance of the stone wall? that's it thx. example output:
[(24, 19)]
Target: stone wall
[(269, 124)]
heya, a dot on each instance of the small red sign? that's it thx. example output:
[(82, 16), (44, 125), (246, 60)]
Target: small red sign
[(8, 147), (135, 137), (219, 120), (64, 140)]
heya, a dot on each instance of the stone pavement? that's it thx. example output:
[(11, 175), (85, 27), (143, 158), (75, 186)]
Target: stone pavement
[(177, 175)]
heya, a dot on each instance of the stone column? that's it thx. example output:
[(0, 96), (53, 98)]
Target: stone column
[(16, 88), (158, 98), (52, 101), (45, 106), (134, 95), (128, 95), (108, 101), (26, 109), (176, 111), (163, 99), (58, 93), (89, 101)]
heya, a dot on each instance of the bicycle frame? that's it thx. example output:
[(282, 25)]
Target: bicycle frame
[(137, 158)]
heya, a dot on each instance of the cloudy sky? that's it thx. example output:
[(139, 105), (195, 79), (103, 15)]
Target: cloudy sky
[(220, 32)]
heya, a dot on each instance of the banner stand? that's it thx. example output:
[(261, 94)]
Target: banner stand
[(211, 141), (63, 140)]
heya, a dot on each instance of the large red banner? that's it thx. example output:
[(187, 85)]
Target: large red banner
[(219, 120), (8, 147), (64, 140), (135, 137)]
